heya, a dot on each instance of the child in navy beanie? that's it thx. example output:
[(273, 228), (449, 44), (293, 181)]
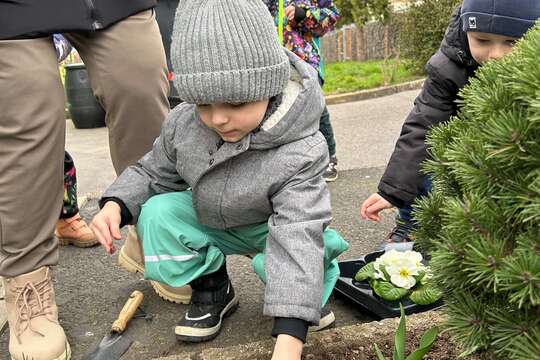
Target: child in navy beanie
[(480, 30)]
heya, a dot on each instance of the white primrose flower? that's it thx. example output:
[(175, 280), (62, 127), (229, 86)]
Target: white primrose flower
[(385, 260), (414, 256), (402, 273), (401, 266)]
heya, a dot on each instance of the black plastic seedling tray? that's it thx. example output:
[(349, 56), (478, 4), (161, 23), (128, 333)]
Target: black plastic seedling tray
[(362, 295)]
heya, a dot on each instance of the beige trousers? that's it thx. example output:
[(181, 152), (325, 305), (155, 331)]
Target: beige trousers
[(128, 72)]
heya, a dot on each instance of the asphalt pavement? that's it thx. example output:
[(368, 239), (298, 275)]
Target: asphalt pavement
[(91, 288)]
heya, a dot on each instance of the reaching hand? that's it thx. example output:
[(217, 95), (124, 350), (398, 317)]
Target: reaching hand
[(106, 225), (372, 206), (289, 12), (287, 348)]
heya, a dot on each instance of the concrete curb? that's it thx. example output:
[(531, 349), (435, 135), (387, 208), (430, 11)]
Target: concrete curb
[(373, 93), (364, 335)]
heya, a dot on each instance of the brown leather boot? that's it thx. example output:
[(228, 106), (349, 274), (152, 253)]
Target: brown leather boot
[(131, 258), (34, 331), (75, 231)]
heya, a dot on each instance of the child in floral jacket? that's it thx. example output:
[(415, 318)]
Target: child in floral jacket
[(71, 229), (306, 21)]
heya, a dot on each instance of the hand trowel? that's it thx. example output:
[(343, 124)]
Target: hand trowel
[(114, 345)]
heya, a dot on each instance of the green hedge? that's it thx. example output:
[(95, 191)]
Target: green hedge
[(421, 29)]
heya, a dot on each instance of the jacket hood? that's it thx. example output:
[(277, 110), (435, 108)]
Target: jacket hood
[(298, 115), (455, 44)]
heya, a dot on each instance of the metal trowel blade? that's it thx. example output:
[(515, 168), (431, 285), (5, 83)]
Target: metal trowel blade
[(111, 347)]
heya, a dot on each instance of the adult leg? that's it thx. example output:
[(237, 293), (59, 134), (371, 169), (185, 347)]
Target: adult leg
[(128, 72), (32, 127)]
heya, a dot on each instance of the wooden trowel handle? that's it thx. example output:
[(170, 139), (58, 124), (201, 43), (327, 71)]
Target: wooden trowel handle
[(129, 309)]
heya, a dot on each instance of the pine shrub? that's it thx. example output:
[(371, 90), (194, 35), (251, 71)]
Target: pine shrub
[(481, 223)]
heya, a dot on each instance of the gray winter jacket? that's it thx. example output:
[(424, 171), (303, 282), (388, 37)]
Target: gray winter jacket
[(273, 175)]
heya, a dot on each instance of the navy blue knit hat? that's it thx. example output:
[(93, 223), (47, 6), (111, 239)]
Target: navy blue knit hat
[(503, 17)]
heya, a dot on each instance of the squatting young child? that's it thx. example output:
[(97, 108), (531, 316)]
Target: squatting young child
[(480, 30), (237, 169)]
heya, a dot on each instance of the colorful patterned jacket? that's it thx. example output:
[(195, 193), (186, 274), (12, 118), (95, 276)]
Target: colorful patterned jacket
[(313, 19)]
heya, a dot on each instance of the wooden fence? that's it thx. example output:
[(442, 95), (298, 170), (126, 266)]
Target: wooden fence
[(351, 43)]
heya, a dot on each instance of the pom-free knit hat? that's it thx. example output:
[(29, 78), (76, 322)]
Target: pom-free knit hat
[(503, 17), (226, 51)]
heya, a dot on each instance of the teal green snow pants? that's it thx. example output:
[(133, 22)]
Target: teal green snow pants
[(177, 249)]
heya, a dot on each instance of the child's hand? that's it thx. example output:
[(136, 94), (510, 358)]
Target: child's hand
[(289, 12), (106, 225), (372, 206), (287, 348)]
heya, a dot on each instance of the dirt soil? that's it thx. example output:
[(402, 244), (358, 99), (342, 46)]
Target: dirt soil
[(353, 342), (363, 349)]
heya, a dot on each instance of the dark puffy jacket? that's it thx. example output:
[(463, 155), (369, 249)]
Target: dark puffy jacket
[(447, 72), (33, 18)]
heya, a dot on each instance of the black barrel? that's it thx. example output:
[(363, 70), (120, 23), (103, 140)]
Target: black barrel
[(165, 11), (86, 113)]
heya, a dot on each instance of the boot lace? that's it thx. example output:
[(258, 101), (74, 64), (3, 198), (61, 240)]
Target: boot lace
[(33, 300)]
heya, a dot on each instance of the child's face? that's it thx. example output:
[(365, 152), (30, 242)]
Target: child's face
[(486, 46), (233, 121)]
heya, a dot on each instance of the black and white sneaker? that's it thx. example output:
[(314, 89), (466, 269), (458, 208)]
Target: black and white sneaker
[(328, 319), (208, 308)]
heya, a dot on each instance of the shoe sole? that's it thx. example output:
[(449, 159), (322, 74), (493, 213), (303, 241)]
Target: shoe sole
[(65, 356), (129, 264), (77, 243), (325, 323), (133, 267), (332, 179), (190, 334), (168, 295)]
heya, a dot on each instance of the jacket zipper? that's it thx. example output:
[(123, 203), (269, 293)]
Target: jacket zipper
[(96, 24)]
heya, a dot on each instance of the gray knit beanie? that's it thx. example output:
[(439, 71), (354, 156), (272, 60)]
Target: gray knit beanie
[(226, 51)]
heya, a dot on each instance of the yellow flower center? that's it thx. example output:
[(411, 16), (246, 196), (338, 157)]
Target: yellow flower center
[(404, 272)]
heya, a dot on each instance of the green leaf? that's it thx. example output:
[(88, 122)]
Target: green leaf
[(399, 347), (425, 294), (425, 344), (380, 355), (420, 277), (385, 273), (366, 272), (387, 291)]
